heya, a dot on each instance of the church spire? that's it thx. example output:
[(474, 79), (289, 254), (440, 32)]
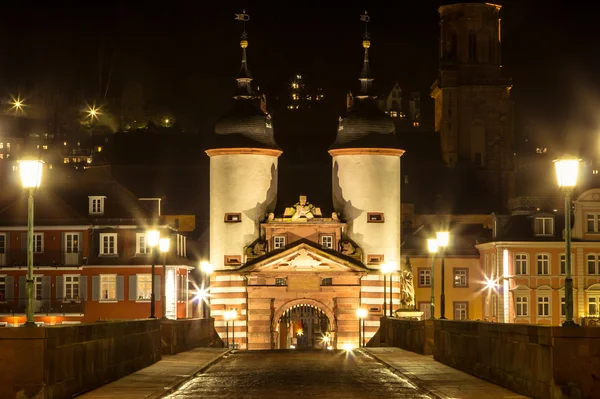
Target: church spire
[(366, 81), (244, 78)]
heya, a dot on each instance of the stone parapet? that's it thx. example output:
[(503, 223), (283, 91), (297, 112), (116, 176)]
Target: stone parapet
[(185, 334)]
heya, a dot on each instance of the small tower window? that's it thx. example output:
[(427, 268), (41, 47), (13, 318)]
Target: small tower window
[(278, 242), (96, 205), (472, 46), (281, 281), (375, 217), (326, 282), (233, 217), (233, 260), (374, 259)]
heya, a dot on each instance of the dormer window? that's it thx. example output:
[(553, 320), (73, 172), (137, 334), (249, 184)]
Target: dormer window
[(96, 205), (544, 226)]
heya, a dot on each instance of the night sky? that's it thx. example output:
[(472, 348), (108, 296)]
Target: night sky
[(184, 55)]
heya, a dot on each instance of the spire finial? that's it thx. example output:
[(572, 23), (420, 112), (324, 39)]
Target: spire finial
[(365, 75), (244, 77)]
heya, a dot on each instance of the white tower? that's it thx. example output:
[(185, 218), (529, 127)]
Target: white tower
[(366, 174), (243, 173)]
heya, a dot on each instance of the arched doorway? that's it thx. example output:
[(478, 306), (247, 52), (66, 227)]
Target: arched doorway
[(303, 324)]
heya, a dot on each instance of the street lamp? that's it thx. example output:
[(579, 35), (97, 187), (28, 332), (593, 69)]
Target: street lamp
[(361, 313), (152, 239), (432, 247), (31, 178), (387, 268), (207, 269), (163, 246), (566, 174), (443, 238), (230, 315)]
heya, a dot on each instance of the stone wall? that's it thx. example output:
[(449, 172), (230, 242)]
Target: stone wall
[(61, 361), (537, 361), (185, 334)]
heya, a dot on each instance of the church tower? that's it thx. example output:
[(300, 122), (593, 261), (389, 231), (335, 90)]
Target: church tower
[(366, 173), (473, 108), (243, 172)]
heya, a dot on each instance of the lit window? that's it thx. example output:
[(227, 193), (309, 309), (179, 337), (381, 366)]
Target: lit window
[(424, 278), (327, 282), (394, 114), (278, 242), (461, 310), (563, 263), (543, 264), (96, 205), (543, 306), (294, 96), (1, 146), (521, 261), (280, 281), (71, 287), (108, 287), (38, 242), (327, 242), (593, 308), (141, 244), (461, 277), (541, 150), (544, 226), (45, 147), (592, 222), (108, 243), (592, 263), (595, 171), (415, 124), (563, 307), (143, 287), (522, 306)]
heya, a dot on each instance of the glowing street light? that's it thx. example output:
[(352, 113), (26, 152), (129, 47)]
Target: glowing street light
[(206, 269), (443, 238), (163, 245), (31, 178), (567, 169), (93, 112), (361, 313), (17, 103), (152, 239), (432, 247), (230, 315)]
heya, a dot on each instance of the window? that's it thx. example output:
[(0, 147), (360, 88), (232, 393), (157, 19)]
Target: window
[(461, 310), (233, 217), (280, 281), (394, 114), (143, 287), (593, 302), (424, 277), (182, 287), (563, 307), (461, 277), (108, 243), (2, 288), (592, 225), (521, 263), (472, 46), (374, 259), (592, 263), (543, 264), (375, 217), (327, 281), (327, 242), (278, 242), (563, 263), (522, 306), (37, 281), (108, 287), (543, 306), (71, 288), (96, 205), (38, 243), (544, 226), (141, 244), (233, 260), (2, 244)]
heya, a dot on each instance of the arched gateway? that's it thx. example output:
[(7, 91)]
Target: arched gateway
[(303, 323)]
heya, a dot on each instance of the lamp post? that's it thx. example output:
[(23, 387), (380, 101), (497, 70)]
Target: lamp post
[(432, 247), (31, 178), (229, 315), (443, 237), (387, 268), (206, 269), (152, 239), (163, 246), (566, 174), (361, 313)]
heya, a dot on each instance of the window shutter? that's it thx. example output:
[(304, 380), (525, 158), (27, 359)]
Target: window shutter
[(80, 249), (10, 288), (24, 242), (157, 287), (120, 288), (132, 287), (83, 288), (22, 291), (46, 287), (95, 288), (60, 280)]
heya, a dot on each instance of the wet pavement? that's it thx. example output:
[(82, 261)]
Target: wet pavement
[(293, 374)]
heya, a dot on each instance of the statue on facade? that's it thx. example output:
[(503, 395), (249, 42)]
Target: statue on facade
[(303, 209), (407, 288), (257, 249)]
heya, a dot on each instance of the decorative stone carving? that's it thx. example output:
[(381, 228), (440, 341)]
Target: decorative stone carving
[(335, 217), (407, 288), (347, 248), (258, 248), (302, 209)]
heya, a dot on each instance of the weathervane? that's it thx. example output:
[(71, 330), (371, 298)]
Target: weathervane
[(244, 18), (365, 18)]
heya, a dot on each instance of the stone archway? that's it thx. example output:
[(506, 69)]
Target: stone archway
[(303, 301)]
